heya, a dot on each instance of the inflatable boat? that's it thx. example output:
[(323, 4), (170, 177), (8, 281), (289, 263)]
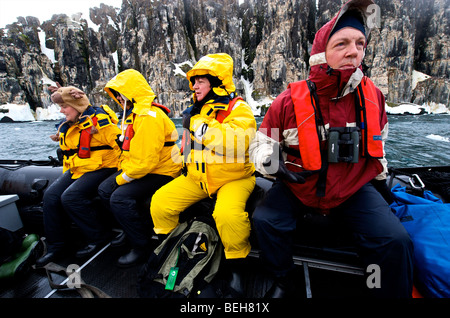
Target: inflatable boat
[(327, 264)]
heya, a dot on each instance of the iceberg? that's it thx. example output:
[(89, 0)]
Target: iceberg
[(414, 109), (15, 112)]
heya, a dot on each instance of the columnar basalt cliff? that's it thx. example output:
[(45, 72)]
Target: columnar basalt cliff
[(270, 41)]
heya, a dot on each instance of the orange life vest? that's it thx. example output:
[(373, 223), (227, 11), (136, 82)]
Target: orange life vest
[(372, 143), (305, 112), (129, 132), (222, 114), (84, 147)]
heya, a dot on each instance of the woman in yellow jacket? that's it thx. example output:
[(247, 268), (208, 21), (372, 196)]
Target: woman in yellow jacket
[(149, 159), (219, 128), (87, 139)]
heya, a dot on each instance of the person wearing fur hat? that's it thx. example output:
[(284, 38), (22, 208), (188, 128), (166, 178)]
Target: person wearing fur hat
[(218, 128), (87, 139), (149, 159), (323, 138)]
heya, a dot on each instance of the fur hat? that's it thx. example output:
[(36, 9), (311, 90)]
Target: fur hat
[(71, 96)]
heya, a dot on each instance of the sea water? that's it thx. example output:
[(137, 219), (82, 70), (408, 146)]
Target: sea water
[(414, 140)]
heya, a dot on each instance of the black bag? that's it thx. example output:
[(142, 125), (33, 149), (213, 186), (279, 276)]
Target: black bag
[(184, 263)]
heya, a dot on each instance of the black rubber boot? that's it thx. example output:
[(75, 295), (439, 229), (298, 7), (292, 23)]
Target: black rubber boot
[(133, 257), (236, 280), (283, 287), (119, 240), (54, 256)]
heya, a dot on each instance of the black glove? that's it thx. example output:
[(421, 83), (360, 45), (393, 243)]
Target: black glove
[(277, 166)]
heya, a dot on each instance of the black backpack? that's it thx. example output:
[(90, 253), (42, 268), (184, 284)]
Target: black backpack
[(184, 263)]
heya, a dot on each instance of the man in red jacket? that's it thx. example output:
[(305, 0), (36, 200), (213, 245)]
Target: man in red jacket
[(323, 139)]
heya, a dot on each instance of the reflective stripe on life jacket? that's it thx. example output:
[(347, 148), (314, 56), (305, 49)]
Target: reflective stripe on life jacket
[(305, 113), (129, 132)]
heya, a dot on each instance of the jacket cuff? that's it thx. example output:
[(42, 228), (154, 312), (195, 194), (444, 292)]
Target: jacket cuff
[(122, 179)]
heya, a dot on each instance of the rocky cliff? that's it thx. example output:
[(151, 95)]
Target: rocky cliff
[(269, 40)]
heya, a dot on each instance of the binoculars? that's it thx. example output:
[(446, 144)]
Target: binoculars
[(343, 144)]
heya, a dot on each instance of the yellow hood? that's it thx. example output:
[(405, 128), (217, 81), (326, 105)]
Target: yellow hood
[(133, 86), (219, 65)]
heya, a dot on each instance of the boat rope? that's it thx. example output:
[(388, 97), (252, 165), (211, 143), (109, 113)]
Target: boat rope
[(13, 165), (85, 290)]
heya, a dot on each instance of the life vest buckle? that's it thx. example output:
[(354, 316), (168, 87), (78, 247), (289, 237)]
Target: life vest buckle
[(343, 144)]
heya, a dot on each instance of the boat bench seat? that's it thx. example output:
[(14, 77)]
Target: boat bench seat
[(319, 246)]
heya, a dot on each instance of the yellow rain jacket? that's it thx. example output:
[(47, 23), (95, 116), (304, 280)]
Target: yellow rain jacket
[(104, 148), (225, 155), (152, 148)]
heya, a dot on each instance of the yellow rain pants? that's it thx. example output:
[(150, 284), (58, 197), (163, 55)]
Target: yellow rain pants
[(229, 213)]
